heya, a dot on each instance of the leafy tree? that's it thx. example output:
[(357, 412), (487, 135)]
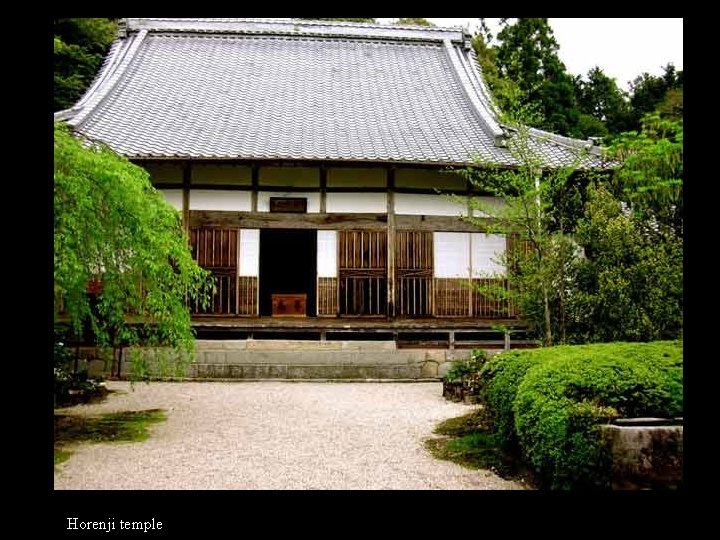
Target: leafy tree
[(414, 22), (509, 99), (650, 179), (539, 266), (527, 55), (649, 92), (600, 98), (115, 231), (79, 48), (629, 286)]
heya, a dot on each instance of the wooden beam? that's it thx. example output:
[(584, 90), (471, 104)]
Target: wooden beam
[(391, 243), (187, 176), (255, 220), (435, 223), (267, 220), (255, 180), (323, 189)]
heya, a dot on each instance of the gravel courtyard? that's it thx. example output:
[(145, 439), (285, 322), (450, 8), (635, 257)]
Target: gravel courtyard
[(275, 435)]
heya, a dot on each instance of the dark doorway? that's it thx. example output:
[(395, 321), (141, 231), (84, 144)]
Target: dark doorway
[(288, 265)]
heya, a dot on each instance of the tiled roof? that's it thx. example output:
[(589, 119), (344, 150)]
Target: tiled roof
[(289, 90)]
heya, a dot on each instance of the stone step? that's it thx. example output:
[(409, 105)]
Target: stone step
[(305, 357), (310, 372)]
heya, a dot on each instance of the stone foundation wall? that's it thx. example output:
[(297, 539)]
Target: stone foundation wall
[(274, 359)]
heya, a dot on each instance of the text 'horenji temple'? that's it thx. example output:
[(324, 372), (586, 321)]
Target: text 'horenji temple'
[(316, 168)]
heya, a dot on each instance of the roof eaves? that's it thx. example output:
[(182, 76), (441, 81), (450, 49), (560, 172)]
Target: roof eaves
[(463, 74), (110, 76), (278, 158), (475, 73)]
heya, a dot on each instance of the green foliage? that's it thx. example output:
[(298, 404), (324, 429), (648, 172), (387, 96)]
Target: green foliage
[(508, 98), (72, 386), (119, 427), (462, 369), (600, 99), (61, 455), (413, 22), (528, 81), (650, 179), (78, 51), (561, 401), (460, 426), (650, 92), (539, 267), (112, 226), (528, 55), (125, 426), (467, 441), (630, 284), (500, 378)]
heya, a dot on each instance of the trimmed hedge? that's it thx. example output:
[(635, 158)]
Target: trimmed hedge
[(500, 378), (551, 402)]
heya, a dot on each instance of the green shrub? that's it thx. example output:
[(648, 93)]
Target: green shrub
[(468, 372), (560, 403), (500, 378)]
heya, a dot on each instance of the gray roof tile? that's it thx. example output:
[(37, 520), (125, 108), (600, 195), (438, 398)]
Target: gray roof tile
[(233, 89)]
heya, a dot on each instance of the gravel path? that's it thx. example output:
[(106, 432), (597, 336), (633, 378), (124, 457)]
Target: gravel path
[(275, 435)]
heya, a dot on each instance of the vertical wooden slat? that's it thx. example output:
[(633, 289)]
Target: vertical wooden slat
[(255, 182), (323, 189), (390, 243), (187, 175)]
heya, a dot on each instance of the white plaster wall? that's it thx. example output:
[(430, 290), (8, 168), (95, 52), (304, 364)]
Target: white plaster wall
[(313, 199), (356, 203), (428, 205), (491, 203), (486, 248), (249, 252), (327, 253), (217, 199), (174, 197), (452, 254)]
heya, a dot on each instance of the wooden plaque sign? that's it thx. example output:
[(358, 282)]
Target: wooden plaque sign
[(289, 305), (293, 205)]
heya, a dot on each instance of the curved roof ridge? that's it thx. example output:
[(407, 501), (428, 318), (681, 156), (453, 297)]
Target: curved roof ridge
[(109, 80), (107, 67), (296, 27), (477, 76), (119, 57), (460, 72), (568, 142)]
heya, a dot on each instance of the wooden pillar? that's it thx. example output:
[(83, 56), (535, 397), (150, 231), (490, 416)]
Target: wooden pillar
[(187, 175), (255, 181), (391, 243), (471, 290), (323, 189)]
